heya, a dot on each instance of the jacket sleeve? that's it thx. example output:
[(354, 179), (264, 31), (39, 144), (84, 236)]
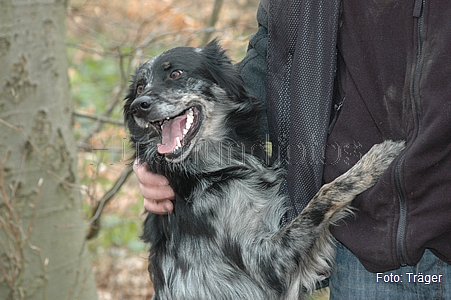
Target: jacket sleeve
[(253, 66)]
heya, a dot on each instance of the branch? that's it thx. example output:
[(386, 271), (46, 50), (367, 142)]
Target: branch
[(98, 118), (213, 19), (94, 222), (115, 100)]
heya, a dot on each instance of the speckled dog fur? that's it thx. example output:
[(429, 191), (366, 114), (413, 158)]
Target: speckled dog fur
[(223, 240)]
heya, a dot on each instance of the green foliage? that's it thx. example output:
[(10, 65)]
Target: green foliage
[(92, 79), (120, 231)]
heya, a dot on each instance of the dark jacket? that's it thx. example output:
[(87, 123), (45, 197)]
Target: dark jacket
[(393, 81)]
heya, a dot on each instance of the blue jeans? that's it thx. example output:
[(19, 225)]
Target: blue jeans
[(429, 279)]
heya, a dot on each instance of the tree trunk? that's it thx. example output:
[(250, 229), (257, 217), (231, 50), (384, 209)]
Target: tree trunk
[(42, 249)]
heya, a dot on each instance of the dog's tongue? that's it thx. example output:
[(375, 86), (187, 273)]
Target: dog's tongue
[(171, 129)]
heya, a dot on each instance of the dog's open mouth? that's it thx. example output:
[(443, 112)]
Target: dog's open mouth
[(177, 132)]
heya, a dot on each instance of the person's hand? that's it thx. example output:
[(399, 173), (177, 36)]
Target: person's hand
[(157, 193)]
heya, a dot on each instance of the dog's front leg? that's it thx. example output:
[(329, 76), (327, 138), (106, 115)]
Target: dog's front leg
[(306, 242)]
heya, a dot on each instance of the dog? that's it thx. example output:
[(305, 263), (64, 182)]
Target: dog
[(191, 120)]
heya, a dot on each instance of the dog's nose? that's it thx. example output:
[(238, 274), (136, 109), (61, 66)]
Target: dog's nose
[(141, 106)]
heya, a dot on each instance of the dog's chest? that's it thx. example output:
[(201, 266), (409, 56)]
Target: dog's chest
[(209, 246), (194, 268)]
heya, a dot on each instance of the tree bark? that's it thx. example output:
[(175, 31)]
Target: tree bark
[(42, 248)]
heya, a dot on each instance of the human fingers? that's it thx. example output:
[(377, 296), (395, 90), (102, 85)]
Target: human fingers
[(155, 189), (163, 207), (156, 192), (146, 177)]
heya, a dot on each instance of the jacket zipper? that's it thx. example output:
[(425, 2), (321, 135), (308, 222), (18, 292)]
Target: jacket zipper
[(336, 112), (400, 238), (416, 75), (402, 213)]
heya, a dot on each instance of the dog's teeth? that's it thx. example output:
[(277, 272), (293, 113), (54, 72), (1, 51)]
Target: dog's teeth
[(147, 125), (189, 119), (188, 124), (167, 118), (185, 131), (179, 144)]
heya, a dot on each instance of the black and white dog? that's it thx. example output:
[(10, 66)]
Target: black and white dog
[(191, 120)]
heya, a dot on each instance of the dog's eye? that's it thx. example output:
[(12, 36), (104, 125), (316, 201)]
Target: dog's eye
[(139, 89), (176, 74)]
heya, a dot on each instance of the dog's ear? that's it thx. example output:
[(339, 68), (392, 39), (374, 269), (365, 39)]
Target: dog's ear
[(221, 69)]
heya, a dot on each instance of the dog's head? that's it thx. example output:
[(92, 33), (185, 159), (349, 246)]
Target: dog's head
[(186, 100)]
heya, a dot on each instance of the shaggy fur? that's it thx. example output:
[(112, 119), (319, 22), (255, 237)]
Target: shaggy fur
[(191, 120)]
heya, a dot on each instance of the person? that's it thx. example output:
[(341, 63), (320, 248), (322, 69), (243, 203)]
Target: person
[(337, 77)]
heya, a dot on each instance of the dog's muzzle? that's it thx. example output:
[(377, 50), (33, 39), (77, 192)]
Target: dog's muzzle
[(140, 107), (177, 131)]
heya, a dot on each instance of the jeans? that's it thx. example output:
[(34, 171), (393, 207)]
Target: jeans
[(429, 279)]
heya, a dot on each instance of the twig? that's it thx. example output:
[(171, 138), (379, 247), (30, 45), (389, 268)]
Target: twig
[(90, 148), (93, 32), (115, 100), (94, 222), (97, 118), (213, 20)]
